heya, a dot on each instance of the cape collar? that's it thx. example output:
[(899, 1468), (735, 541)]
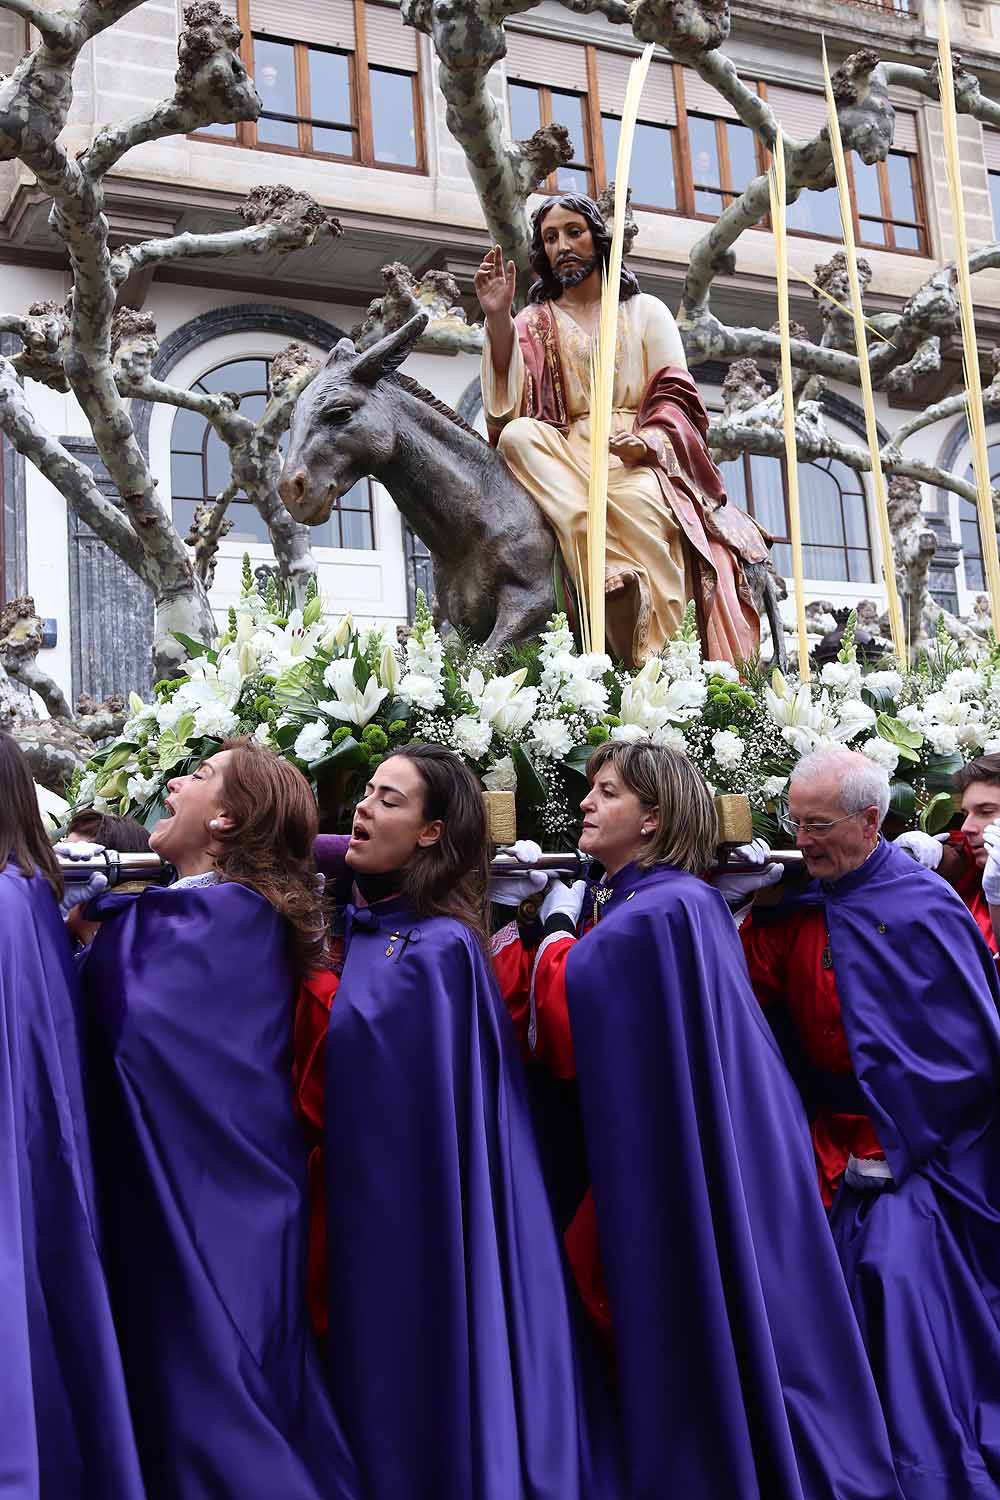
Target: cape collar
[(869, 870)]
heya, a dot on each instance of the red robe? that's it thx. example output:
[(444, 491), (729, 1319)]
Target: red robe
[(312, 1021), (969, 885), (786, 962), (525, 973)]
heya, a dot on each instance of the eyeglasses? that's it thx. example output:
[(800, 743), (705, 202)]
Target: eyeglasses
[(812, 829)]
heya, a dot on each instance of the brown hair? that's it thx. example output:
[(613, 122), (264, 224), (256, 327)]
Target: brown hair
[(986, 768), (22, 832), (450, 878), (687, 829), (127, 835), (269, 848)]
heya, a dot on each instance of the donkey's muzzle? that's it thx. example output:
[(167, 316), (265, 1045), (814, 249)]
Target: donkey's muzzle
[(300, 500)]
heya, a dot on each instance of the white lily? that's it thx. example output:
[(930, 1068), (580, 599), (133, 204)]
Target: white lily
[(388, 669), (352, 705)]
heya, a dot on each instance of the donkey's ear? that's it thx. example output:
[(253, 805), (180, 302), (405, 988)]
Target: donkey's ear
[(388, 354), (342, 349)]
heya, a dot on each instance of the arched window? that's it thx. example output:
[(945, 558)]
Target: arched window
[(968, 518), (836, 543), (200, 468)]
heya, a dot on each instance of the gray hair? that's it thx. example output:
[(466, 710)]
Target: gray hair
[(860, 782)]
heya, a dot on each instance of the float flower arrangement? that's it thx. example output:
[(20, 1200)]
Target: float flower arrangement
[(338, 699)]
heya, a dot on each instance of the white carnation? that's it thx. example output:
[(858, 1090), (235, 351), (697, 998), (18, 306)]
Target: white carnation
[(420, 690), (881, 752), (629, 733), (551, 738), (214, 720), (943, 738), (140, 787), (723, 669), (842, 676), (582, 693), (169, 715), (312, 743), (773, 786), (473, 737), (501, 777), (728, 749), (853, 717), (671, 738), (884, 682)]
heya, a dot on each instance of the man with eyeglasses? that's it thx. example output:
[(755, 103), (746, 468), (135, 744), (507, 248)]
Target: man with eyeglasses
[(892, 997)]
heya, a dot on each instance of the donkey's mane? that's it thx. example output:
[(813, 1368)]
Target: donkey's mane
[(423, 394)]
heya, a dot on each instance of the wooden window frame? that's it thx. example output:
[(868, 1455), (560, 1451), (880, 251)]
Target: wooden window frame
[(361, 125), (680, 143), (545, 92)]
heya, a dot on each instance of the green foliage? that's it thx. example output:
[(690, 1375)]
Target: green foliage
[(247, 579), (938, 813), (848, 649)]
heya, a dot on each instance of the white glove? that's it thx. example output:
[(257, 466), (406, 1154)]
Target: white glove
[(79, 892), (991, 874), (564, 900), (922, 847), (738, 887), (512, 889), (77, 849)]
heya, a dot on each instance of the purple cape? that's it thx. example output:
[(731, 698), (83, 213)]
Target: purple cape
[(201, 1172), (65, 1429), (451, 1351), (741, 1370), (919, 996)]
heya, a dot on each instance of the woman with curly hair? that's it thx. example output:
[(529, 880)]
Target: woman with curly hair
[(201, 1164), (451, 1352)]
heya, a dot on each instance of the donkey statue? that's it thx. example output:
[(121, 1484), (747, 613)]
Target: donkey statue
[(492, 551)]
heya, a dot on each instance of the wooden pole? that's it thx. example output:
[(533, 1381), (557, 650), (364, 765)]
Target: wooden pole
[(871, 421), (778, 200), (602, 364), (973, 384)]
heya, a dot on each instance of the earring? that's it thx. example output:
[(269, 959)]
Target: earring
[(645, 832), (213, 822)]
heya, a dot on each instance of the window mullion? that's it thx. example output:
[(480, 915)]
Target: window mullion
[(545, 118), (682, 157), (302, 98), (363, 95), (725, 170), (594, 125)]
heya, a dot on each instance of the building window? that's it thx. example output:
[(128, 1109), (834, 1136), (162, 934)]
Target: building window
[(200, 467), (968, 520), (836, 543), (691, 155), (342, 84), (723, 156), (533, 105)]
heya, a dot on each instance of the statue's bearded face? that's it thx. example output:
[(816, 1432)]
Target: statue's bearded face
[(569, 245)]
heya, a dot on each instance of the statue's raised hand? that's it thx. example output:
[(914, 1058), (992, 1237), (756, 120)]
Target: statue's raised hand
[(495, 284)]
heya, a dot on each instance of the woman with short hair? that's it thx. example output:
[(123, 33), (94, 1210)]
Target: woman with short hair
[(740, 1367), (451, 1357), (65, 1428), (201, 1164)]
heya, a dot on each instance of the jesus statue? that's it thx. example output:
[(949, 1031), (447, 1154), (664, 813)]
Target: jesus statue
[(671, 534)]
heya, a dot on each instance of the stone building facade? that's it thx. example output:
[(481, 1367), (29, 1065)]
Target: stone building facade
[(353, 115)]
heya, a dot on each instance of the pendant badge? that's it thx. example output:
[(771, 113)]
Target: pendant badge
[(826, 961)]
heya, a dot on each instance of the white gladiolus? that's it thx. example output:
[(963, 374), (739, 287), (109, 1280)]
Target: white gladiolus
[(312, 743)]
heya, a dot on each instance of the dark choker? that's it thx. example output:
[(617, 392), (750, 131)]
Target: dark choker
[(377, 888)]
